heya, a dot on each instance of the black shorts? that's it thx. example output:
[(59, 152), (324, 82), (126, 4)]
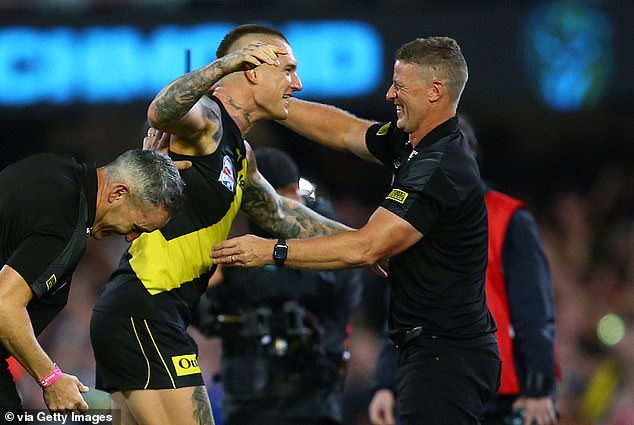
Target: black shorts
[(140, 354), (442, 381)]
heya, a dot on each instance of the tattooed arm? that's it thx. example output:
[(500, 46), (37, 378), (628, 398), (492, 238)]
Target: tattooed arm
[(180, 107), (321, 244), (280, 216), (384, 236)]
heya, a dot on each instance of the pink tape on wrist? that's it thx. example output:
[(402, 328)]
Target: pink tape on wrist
[(50, 378)]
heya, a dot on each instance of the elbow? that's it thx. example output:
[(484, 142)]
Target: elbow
[(365, 256), (371, 255), (152, 115), (363, 249), (157, 122)]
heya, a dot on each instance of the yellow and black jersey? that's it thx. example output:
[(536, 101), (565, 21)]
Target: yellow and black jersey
[(163, 273)]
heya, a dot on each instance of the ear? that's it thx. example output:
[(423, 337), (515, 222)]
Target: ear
[(117, 191), (436, 90), (251, 76)]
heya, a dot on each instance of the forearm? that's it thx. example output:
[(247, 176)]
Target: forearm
[(279, 216), (17, 336), (329, 126), (534, 334), (285, 218), (530, 295), (340, 251), (177, 98), (382, 237), (530, 300), (387, 366)]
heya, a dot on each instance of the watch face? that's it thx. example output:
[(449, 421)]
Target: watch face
[(280, 251)]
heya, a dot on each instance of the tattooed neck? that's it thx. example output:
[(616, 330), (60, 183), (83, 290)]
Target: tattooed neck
[(246, 115)]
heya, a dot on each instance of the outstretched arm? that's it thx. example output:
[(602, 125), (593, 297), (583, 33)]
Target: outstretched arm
[(18, 337), (385, 235), (329, 126), (280, 216)]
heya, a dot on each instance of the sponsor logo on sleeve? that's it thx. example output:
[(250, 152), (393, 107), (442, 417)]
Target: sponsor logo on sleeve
[(186, 364), (50, 282), (397, 195)]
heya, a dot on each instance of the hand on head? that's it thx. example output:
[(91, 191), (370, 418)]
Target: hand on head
[(160, 141), (156, 140), (252, 55)]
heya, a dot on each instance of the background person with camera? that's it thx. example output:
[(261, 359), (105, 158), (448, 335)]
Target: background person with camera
[(284, 331)]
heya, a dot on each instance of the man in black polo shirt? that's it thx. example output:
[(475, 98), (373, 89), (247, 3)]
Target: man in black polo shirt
[(432, 227), (49, 205)]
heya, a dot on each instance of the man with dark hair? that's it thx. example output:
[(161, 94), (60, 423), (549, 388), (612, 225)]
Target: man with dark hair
[(236, 35), (145, 357), (432, 227), (284, 331), (49, 205)]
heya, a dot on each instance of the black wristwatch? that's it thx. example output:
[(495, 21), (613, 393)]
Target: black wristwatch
[(280, 251)]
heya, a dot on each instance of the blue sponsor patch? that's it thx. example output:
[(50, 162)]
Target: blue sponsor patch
[(227, 174)]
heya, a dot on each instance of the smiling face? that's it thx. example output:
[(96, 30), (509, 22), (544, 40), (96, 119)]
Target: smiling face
[(408, 92), (275, 84)]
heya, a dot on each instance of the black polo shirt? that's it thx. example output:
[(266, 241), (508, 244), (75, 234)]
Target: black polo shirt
[(438, 283), (47, 205)]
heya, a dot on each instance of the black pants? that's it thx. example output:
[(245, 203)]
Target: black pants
[(441, 381), (497, 419), (9, 398)]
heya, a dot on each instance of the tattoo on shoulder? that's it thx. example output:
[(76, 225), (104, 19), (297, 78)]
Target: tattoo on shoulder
[(212, 110), (202, 409)]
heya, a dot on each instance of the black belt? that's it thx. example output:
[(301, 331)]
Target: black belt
[(402, 338)]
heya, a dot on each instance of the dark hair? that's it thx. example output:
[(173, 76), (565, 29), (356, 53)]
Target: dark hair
[(468, 132), (276, 166), (152, 176), (443, 57), (469, 136), (240, 31)]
